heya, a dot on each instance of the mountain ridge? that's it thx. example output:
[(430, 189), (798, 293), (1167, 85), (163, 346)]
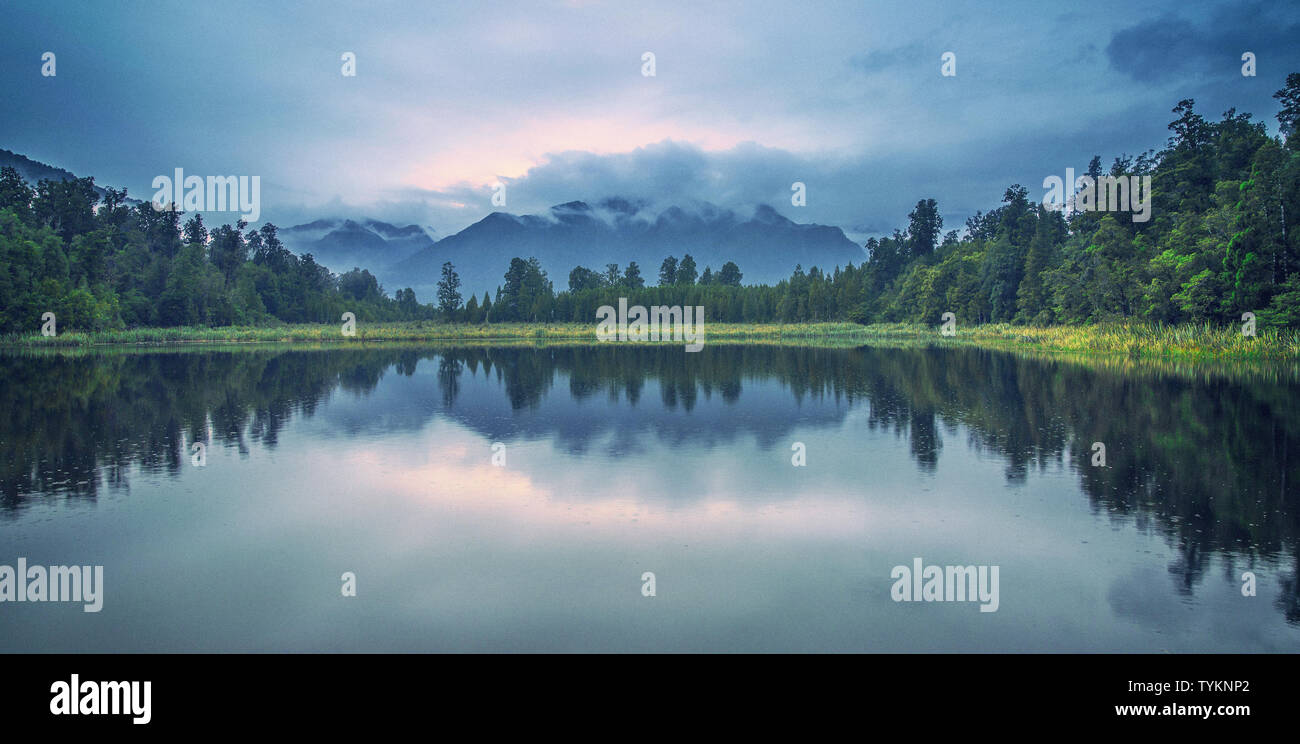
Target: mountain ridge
[(34, 171), (767, 245)]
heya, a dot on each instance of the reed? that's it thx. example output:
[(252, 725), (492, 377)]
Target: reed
[(1127, 340)]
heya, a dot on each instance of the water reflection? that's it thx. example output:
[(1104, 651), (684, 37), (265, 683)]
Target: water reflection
[(1208, 464)]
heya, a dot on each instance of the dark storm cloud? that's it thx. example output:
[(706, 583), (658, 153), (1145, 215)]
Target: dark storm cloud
[(1169, 47), (548, 98)]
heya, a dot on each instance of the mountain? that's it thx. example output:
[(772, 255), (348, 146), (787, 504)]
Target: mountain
[(34, 171), (765, 245), (342, 244)]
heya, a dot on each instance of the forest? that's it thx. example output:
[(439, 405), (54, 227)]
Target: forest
[(1222, 241)]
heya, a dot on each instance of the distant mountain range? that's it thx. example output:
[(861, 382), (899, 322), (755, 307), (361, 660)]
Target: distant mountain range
[(765, 245), (342, 244)]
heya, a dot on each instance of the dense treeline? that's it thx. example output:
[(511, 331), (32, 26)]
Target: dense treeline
[(1223, 239), (101, 265)]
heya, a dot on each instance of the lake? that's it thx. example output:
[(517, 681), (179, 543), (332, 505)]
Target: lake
[(642, 498)]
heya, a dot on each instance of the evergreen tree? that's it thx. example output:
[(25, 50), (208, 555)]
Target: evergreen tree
[(632, 276), (730, 275), (686, 273), (924, 227), (668, 272), (449, 290)]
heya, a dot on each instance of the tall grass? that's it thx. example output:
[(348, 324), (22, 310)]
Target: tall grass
[(1138, 340), (1128, 340)]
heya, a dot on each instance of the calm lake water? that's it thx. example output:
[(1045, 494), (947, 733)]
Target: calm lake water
[(624, 460)]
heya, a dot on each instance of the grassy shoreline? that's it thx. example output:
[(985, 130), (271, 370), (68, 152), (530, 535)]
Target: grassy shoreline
[(1131, 340)]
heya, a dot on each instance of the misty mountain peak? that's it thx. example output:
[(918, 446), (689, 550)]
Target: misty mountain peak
[(573, 206), (766, 247), (765, 214), (619, 230)]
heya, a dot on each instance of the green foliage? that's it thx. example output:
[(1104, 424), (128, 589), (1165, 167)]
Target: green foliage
[(1223, 240), (448, 291), (103, 266), (668, 271), (686, 273)]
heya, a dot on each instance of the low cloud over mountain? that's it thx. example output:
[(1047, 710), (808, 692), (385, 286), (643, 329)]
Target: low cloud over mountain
[(342, 244), (765, 245)]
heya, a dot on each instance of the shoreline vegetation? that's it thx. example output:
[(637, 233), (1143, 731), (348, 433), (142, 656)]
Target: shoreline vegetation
[(1129, 340), (1222, 243), (1026, 277)]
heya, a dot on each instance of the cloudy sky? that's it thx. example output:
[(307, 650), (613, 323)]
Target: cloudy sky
[(548, 97)]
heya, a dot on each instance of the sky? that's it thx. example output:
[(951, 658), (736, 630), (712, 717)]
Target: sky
[(550, 99)]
